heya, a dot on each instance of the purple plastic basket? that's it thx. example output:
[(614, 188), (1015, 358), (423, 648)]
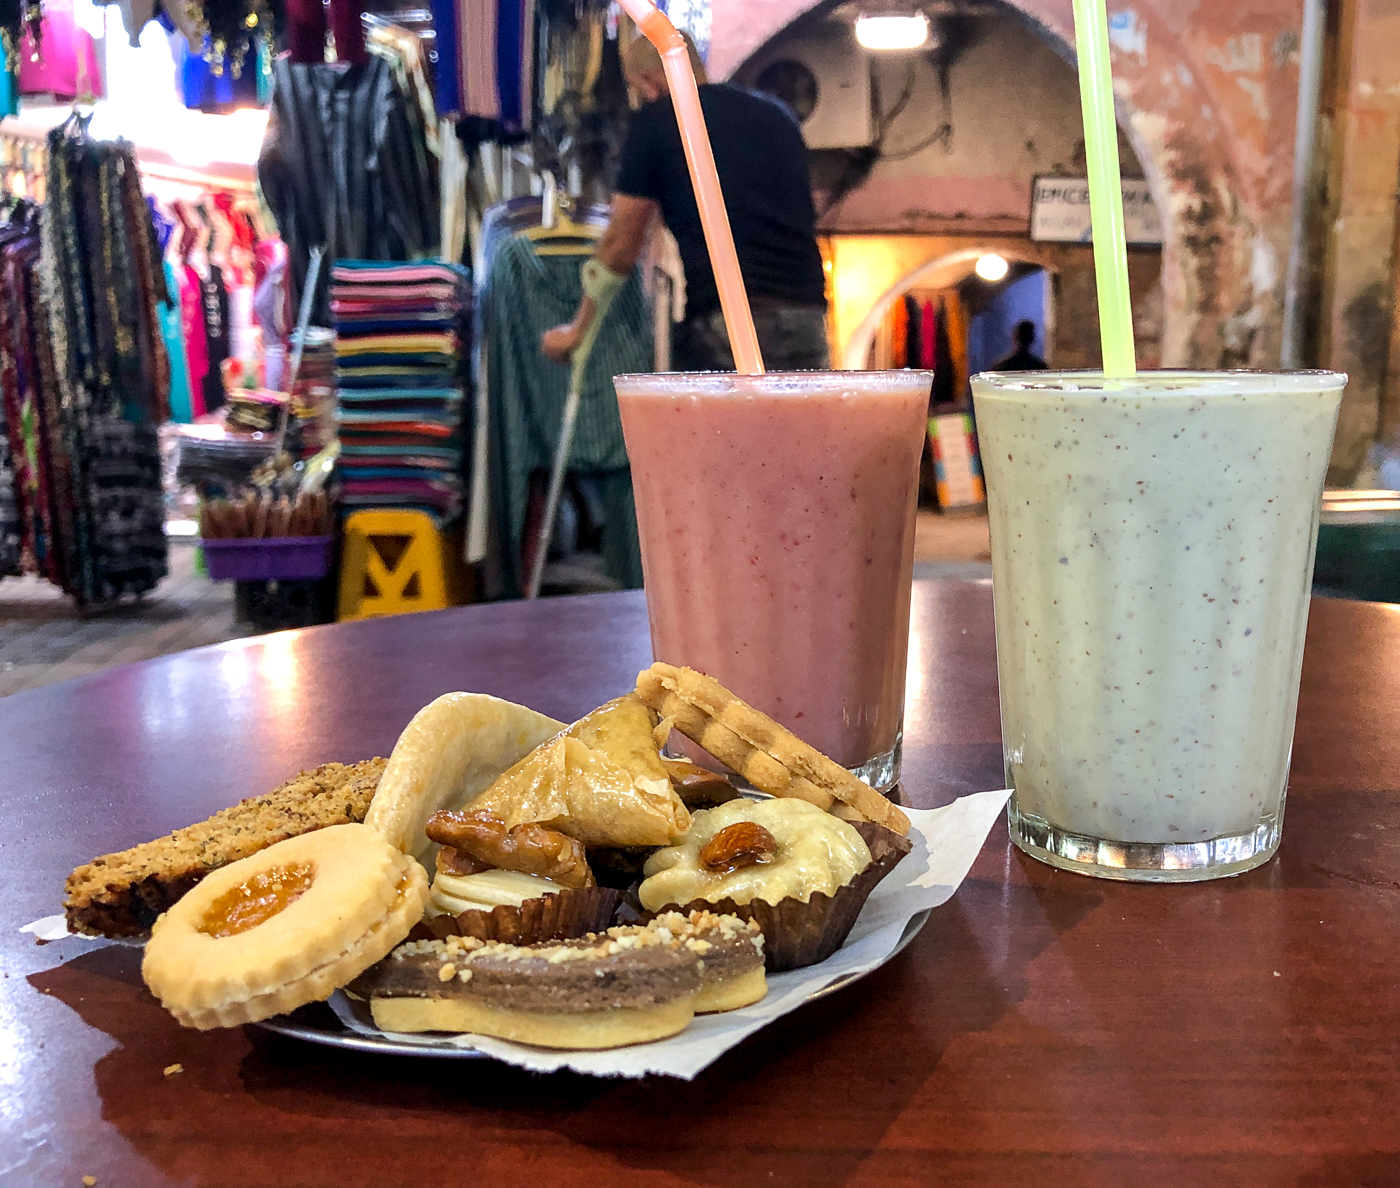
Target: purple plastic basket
[(281, 558)]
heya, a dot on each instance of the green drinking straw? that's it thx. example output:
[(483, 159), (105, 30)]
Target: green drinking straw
[(1105, 189)]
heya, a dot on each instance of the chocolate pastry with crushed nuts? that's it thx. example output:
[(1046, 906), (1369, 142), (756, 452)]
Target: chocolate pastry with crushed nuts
[(625, 986), (121, 894)]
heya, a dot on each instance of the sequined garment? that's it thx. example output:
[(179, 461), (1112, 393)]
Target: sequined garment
[(84, 375)]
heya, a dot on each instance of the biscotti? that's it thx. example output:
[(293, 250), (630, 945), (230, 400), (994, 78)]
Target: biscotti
[(121, 894)]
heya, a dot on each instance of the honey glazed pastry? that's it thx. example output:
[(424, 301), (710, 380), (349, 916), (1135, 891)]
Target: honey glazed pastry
[(601, 781), (521, 885), (284, 927), (770, 757)]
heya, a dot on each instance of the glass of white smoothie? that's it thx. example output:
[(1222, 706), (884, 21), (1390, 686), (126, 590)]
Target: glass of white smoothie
[(1152, 555)]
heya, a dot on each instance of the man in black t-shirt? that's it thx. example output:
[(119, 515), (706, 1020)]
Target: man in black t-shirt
[(762, 164)]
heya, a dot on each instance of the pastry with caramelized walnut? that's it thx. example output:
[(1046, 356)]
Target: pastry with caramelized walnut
[(766, 849), (514, 862)]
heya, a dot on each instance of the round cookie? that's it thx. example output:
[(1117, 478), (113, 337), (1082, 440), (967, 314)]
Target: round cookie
[(284, 927)]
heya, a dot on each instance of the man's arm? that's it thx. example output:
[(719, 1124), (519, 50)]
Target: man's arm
[(617, 251)]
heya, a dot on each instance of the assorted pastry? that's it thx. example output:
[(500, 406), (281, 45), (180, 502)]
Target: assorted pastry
[(122, 894), (627, 985), (504, 874)]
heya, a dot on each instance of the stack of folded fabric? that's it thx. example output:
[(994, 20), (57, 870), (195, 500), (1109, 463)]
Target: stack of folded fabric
[(398, 373), (313, 392)]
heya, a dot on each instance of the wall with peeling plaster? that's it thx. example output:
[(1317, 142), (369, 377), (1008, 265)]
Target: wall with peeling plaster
[(986, 130), (1207, 94)]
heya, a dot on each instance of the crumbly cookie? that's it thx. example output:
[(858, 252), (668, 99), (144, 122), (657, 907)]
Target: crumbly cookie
[(121, 894), (770, 757)]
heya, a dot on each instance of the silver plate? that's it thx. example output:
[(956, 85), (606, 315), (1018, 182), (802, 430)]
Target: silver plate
[(319, 1024)]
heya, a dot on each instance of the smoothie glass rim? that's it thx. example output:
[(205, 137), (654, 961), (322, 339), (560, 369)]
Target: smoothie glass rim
[(795, 383), (1166, 383)]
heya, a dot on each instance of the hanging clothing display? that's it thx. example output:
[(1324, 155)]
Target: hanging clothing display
[(400, 392), (899, 334), (928, 336), (955, 321), (15, 17), (217, 87), (19, 252), (196, 336), (583, 104), (9, 512), (9, 80), (345, 164), (525, 293), (63, 63), (214, 294), (307, 27), (945, 376), (85, 374), (486, 62), (28, 396), (172, 324), (927, 330)]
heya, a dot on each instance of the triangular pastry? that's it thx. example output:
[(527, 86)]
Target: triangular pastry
[(601, 781)]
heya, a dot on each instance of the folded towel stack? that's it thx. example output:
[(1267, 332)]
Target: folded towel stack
[(400, 388)]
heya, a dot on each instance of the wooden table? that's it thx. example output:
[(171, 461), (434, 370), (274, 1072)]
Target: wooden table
[(1044, 1029)]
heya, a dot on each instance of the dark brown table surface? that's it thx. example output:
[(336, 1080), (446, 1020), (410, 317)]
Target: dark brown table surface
[(1045, 1028)]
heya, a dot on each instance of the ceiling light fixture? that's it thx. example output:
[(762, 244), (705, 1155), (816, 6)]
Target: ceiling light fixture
[(992, 267), (902, 31)]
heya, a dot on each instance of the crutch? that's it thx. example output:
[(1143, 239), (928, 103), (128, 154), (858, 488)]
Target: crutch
[(600, 285)]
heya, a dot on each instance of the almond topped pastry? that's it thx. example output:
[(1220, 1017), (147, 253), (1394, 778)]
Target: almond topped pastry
[(745, 850)]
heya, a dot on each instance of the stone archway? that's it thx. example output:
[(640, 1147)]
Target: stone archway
[(936, 272), (1207, 98)]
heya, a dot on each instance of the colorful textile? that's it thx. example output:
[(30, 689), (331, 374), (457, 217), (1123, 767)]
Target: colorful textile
[(85, 374), (65, 63), (9, 85), (400, 388), (196, 337), (172, 325)]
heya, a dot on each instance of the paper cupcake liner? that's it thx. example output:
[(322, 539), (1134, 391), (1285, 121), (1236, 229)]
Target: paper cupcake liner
[(563, 915), (796, 934)]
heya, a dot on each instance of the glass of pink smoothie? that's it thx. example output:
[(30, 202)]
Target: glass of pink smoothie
[(776, 515)]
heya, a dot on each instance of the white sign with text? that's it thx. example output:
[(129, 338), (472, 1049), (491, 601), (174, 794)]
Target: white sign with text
[(1060, 211)]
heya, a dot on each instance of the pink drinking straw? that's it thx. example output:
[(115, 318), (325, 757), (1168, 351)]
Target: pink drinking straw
[(700, 160)]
